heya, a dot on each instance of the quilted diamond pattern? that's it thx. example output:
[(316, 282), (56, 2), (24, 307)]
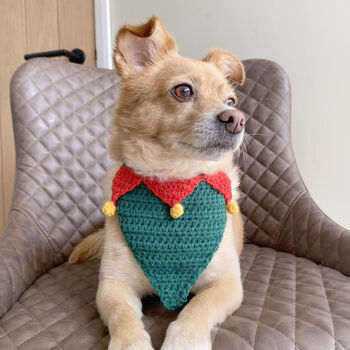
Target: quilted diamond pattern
[(270, 181), (290, 303), (56, 312), (61, 117), (278, 210)]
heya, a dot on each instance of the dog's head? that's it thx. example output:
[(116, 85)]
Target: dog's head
[(175, 116)]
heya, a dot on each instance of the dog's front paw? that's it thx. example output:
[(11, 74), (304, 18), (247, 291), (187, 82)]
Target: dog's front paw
[(142, 342), (180, 336)]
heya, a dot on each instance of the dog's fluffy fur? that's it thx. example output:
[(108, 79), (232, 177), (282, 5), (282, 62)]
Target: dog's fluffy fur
[(158, 135)]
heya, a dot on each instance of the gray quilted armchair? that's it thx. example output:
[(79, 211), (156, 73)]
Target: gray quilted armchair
[(294, 266)]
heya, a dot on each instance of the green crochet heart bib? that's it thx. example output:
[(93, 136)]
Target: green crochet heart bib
[(172, 252)]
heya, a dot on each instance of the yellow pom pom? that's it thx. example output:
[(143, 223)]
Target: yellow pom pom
[(109, 208), (232, 208), (176, 211)]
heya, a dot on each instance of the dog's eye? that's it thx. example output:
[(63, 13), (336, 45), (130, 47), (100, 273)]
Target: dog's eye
[(183, 91), (231, 101)]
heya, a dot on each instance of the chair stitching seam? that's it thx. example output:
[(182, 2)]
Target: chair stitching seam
[(263, 305), (275, 244)]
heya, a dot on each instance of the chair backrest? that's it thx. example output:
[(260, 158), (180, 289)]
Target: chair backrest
[(270, 180), (61, 113)]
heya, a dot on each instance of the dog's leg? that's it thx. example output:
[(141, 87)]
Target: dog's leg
[(121, 310), (191, 330), (238, 229)]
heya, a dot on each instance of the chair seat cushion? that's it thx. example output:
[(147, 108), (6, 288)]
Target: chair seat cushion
[(289, 303)]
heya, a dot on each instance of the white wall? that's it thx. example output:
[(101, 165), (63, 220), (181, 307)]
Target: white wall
[(310, 39)]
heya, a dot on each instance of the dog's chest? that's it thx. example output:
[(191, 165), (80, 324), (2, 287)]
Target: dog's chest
[(173, 252)]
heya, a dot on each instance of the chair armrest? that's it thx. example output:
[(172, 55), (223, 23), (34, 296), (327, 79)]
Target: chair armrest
[(24, 256), (308, 232)]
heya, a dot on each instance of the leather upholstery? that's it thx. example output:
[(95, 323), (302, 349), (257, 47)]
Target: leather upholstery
[(308, 232), (61, 113), (290, 303), (270, 181), (279, 211)]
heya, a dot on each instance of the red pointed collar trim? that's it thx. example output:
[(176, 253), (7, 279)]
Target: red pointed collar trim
[(170, 192)]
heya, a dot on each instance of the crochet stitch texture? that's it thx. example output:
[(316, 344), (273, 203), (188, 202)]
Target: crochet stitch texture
[(171, 252)]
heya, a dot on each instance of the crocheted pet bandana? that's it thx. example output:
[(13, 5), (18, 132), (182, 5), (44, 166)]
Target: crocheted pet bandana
[(172, 250), (171, 192)]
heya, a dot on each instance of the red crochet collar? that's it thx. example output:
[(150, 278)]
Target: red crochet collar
[(170, 192)]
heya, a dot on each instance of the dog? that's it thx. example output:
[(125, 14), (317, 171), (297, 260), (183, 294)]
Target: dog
[(175, 122)]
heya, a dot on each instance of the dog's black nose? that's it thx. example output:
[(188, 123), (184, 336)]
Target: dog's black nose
[(233, 119)]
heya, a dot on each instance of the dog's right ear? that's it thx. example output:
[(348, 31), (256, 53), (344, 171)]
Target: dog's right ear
[(140, 46)]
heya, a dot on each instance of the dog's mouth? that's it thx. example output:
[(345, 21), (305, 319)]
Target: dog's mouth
[(208, 147)]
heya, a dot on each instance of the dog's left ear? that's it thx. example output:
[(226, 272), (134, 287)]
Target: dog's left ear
[(227, 63)]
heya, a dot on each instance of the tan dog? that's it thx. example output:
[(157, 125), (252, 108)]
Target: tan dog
[(175, 119)]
